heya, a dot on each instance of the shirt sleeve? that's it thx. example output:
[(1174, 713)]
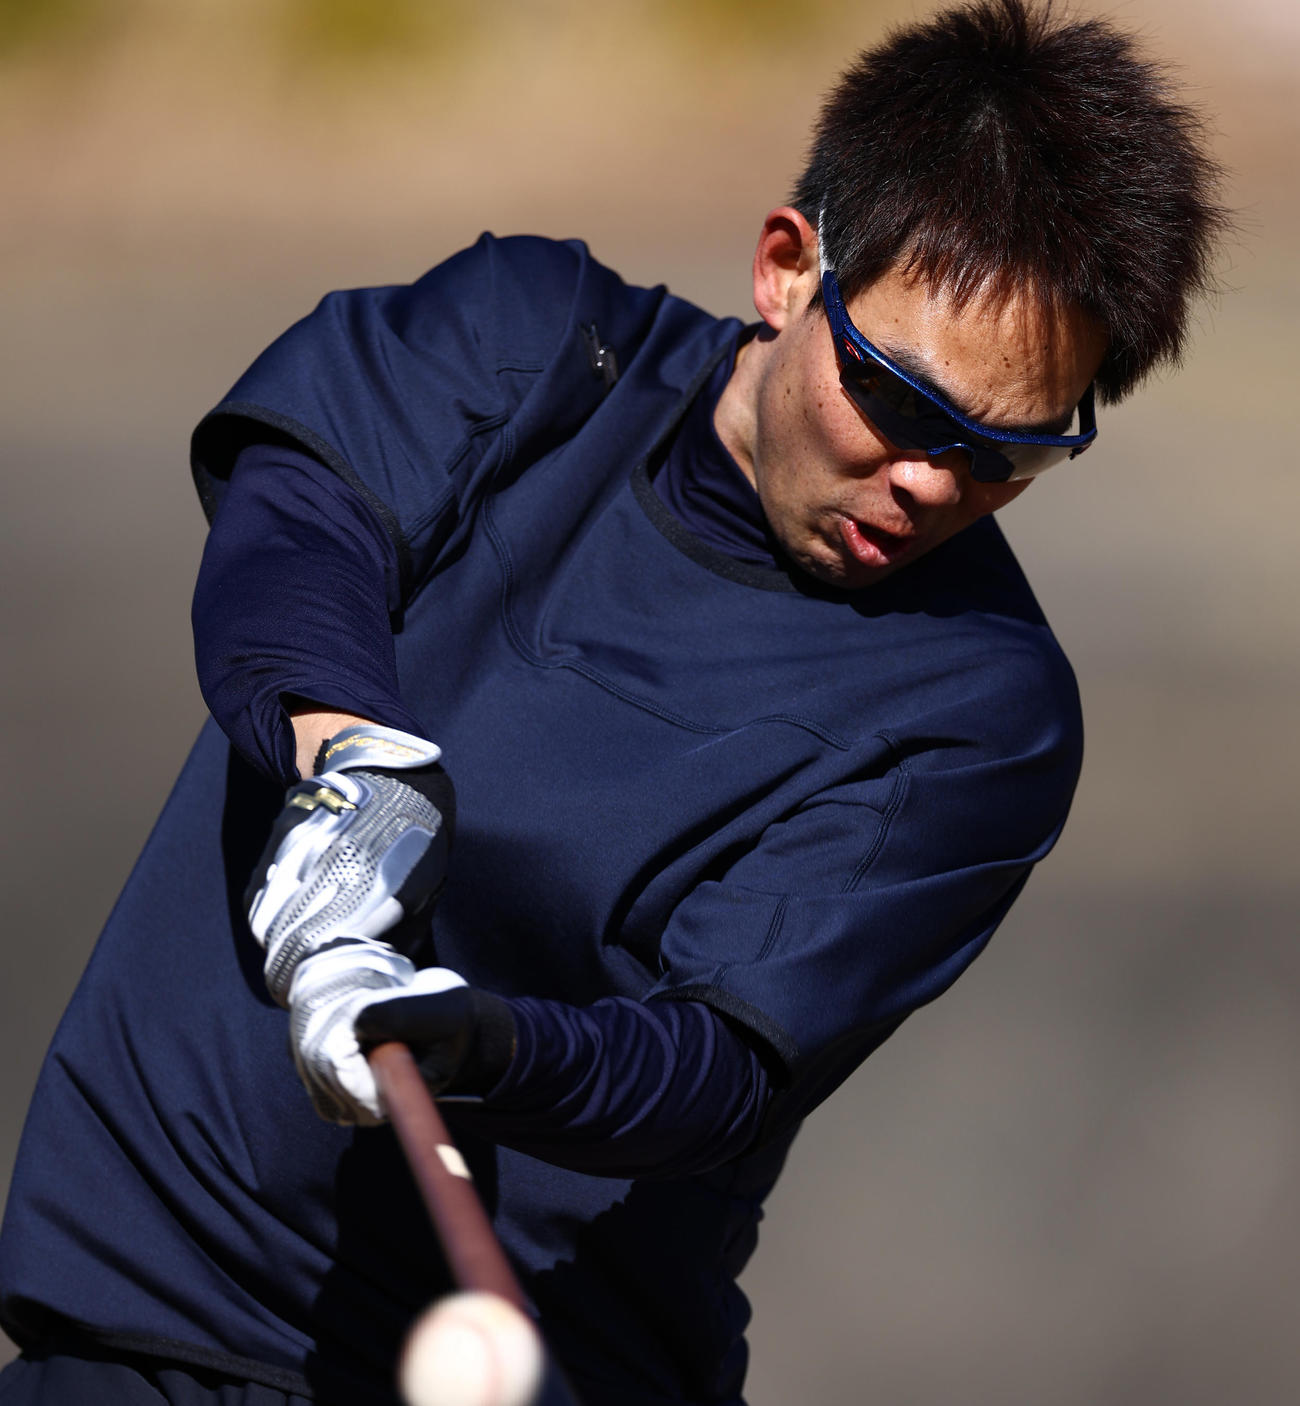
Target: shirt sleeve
[(872, 898), (416, 395), (293, 599), (619, 1088)]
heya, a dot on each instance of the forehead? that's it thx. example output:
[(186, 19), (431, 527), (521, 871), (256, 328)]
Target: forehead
[(1002, 357)]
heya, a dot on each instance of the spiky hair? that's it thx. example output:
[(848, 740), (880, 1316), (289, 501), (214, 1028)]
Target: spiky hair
[(997, 147)]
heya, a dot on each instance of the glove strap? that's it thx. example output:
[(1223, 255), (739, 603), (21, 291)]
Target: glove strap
[(364, 745)]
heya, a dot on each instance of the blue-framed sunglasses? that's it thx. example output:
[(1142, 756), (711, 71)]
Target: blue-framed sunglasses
[(913, 417)]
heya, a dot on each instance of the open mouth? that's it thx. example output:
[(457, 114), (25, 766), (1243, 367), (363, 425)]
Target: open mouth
[(873, 546)]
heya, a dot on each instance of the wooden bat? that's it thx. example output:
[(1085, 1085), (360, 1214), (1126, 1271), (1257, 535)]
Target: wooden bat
[(473, 1252)]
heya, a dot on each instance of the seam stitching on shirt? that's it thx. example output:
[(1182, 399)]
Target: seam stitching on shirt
[(891, 809), (585, 671), (774, 927), (483, 427), (712, 993), (705, 729)]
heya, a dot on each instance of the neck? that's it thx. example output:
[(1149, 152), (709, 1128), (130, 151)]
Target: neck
[(735, 417)]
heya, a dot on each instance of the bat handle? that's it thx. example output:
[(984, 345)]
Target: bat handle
[(473, 1252)]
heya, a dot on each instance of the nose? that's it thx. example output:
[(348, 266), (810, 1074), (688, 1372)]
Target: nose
[(934, 483)]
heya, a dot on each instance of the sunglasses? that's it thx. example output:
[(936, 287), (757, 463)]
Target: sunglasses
[(914, 417)]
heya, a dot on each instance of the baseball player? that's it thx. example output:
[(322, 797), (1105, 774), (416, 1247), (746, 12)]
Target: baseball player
[(663, 719)]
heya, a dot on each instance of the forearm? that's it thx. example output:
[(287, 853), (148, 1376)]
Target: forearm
[(621, 1088), (313, 726)]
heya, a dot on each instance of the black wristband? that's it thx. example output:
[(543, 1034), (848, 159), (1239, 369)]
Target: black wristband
[(463, 1040), (491, 1048)]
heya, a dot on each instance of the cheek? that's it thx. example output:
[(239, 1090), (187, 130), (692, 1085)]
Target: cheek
[(791, 434), (812, 439), (836, 443), (993, 496)]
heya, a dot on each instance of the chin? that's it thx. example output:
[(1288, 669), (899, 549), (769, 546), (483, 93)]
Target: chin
[(843, 575), (818, 552)]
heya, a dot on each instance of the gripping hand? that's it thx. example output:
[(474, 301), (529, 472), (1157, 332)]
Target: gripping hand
[(329, 989), (357, 848), (463, 1039)]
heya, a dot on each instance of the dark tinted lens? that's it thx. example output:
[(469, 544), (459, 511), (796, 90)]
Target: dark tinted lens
[(884, 386), (882, 410), (911, 421), (906, 417)]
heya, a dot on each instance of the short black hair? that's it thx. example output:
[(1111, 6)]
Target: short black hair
[(999, 146)]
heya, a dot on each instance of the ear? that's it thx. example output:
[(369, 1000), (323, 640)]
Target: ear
[(786, 271)]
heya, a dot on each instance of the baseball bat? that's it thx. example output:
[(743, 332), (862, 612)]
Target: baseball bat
[(473, 1252)]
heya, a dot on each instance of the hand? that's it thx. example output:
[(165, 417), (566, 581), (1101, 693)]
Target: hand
[(328, 989), (357, 848), (463, 1039)]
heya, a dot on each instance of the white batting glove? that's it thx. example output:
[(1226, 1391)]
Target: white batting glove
[(356, 849), (328, 990)]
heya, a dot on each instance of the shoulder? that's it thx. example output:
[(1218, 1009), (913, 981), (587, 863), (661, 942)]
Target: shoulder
[(1009, 631), (377, 376), (502, 304), (517, 299), (975, 664), (521, 288)]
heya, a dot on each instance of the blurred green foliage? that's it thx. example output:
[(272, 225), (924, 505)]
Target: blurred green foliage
[(28, 23), (374, 36), (338, 32)]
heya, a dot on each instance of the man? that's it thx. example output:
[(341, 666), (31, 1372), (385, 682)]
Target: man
[(754, 727)]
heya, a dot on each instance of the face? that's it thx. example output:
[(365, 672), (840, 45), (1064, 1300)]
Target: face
[(849, 506)]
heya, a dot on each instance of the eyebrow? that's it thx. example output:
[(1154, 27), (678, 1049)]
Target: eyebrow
[(916, 368)]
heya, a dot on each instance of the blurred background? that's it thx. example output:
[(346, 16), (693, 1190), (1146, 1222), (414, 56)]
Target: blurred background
[(1073, 1179)]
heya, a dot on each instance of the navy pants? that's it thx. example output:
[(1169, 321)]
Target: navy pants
[(59, 1380)]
